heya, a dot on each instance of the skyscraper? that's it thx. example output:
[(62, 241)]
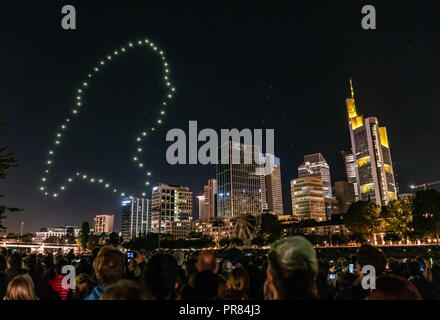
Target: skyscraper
[(274, 196), (308, 198), (209, 200), (345, 195), (314, 165), (350, 170), (136, 217), (371, 151), (170, 203), (103, 223), (240, 189), (202, 208)]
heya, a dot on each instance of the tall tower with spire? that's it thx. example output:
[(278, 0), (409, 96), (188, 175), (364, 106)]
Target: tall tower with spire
[(371, 152)]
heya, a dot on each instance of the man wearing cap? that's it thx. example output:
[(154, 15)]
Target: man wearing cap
[(292, 270)]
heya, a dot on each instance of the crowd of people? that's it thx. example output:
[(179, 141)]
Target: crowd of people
[(289, 270)]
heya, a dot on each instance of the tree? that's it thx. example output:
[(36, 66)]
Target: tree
[(113, 239), (7, 162), (84, 233), (364, 218), (398, 218), (271, 227), (93, 241), (52, 239), (426, 213)]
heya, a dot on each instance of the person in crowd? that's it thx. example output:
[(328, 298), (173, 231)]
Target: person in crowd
[(108, 267), (83, 286), (206, 286), (367, 255), (393, 287), (435, 278), (419, 281), (325, 290), (4, 279), (14, 267), (21, 287), (226, 269), (57, 282), (344, 280), (238, 283), (126, 290), (292, 269), (161, 276)]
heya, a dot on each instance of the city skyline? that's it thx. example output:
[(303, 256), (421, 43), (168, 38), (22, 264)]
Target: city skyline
[(221, 81)]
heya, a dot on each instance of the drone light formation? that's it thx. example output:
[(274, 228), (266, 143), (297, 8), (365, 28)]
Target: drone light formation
[(79, 106)]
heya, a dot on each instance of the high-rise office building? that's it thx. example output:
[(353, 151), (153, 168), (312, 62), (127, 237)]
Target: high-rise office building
[(274, 196), (170, 203), (350, 170), (314, 165), (136, 217), (103, 223), (202, 208), (240, 189), (308, 198), (345, 195), (209, 201), (371, 150)]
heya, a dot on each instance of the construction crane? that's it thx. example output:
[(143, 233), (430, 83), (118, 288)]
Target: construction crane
[(425, 185)]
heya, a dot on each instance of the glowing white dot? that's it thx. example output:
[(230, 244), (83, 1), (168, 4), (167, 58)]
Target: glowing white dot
[(114, 190), (92, 180), (107, 185), (100, 181), (159, 121), (57, 142), (85, 84), (70, 179), (123, 49), (148, 173), (96, 69), (62, 187), (41, 188), (162, 112), (84, 176), (49, 162), (58, 134), (141, 165), (135, 158), (50, 152), (63, 127), (109, 57), (138, 139), (122, 194), (144, 194), (144, 133), (79, 90), (173, 89), (139, 149), (101, 62), (130, 44), (46, 193), (55, 195), (74, 111), (147, 183)]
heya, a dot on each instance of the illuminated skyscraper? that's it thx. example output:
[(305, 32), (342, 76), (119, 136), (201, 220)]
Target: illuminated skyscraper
[(274, 196), (314, 165), (170, 203), (136, 217), (371, 151), (209, 202), (240, 189), (308, 198), (350, 170)]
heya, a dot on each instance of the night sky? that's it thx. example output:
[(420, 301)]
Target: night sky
[(253, 65)]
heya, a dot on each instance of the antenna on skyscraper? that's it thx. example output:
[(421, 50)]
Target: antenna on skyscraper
[(351, 88)]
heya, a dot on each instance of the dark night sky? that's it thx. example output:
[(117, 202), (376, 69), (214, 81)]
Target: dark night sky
[(253, 65)]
